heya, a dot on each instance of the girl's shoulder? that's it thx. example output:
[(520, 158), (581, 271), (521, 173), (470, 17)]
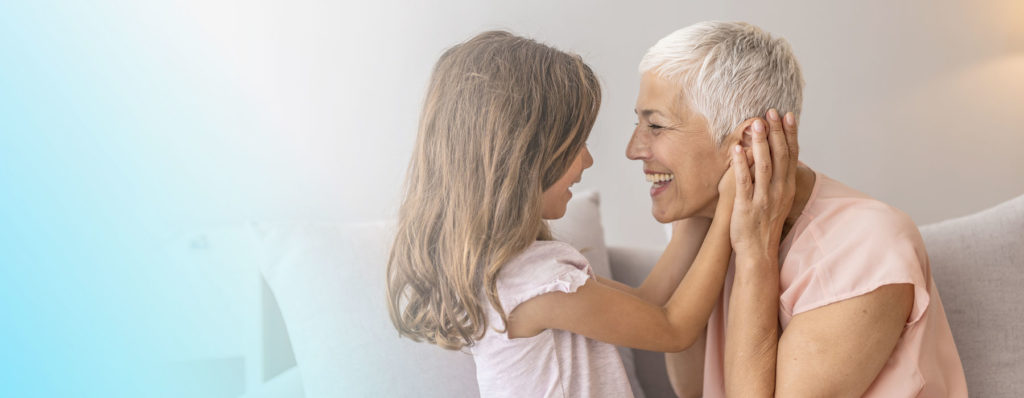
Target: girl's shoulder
[(545, 266), (544, 255)]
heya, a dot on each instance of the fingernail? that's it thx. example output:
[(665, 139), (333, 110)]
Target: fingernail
[(758, 126), (773, 114), (790, 119), (737, 149)]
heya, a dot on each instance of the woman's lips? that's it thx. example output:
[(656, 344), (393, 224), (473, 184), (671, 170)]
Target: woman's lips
[(660, 187)]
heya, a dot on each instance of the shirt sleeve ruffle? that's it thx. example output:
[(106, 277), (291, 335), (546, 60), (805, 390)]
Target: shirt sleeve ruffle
[(547, 267), (565, 282)]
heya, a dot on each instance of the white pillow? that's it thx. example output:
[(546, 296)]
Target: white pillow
[(329, 283)]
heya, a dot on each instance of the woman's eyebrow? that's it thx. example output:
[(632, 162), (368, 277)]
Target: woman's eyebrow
[(648, 112)]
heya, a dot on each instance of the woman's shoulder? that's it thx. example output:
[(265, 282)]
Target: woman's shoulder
[(844, 211)]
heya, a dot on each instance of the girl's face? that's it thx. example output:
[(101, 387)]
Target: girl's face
[(556, 197)]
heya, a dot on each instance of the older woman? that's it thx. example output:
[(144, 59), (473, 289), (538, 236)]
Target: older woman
[(845, 305)]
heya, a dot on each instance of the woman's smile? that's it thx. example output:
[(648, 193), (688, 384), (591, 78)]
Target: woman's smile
[(659, 181)]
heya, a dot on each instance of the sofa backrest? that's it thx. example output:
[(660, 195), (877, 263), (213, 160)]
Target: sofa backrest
[(978, 265)]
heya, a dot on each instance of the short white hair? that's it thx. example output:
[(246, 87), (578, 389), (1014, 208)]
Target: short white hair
[(729, 72)]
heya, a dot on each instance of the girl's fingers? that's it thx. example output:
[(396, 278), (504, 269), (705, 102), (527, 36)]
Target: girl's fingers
[(778, 146), (789, 124), (741, 171), (762, 158)]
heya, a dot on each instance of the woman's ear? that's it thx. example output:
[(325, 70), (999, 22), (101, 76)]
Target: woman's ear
[(742, 135)]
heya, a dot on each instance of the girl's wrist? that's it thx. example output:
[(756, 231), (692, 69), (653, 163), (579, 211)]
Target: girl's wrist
[(724, 207), (757, 260)]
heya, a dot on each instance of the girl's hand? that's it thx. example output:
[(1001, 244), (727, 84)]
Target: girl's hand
[(727, 190), (764, 192), (726, 198)]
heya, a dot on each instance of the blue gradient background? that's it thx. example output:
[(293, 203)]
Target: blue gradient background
[(132, 131), (116, 118)]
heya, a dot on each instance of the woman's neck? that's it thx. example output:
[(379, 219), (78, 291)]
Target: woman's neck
[(804, 186)]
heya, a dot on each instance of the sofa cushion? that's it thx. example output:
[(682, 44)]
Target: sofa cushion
[(978, 265)]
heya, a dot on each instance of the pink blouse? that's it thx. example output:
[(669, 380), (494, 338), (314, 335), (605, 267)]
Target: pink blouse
[(554, 363), (845, 244)]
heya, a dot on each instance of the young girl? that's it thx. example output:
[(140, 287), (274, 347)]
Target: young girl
[(501, 139)]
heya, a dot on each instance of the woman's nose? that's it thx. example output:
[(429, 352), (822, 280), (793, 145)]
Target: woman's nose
[(637, 148)]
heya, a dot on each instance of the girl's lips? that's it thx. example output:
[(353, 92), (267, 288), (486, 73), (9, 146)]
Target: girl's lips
[(659, 188)]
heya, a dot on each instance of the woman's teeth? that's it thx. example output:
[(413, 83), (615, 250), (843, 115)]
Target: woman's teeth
[(658, 178)]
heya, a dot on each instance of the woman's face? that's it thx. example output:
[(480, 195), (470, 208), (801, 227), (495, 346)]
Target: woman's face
[(681, 159), (557, 196)]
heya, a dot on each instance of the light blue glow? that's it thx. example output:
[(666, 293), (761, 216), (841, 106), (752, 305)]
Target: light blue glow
[(111, 117)]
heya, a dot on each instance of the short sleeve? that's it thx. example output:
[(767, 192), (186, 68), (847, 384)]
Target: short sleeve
[(545, 267), (857, 257)]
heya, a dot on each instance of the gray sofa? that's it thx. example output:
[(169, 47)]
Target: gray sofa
[(328, 281)]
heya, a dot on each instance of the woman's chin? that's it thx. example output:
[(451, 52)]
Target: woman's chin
[(666, 214), (663, 215)]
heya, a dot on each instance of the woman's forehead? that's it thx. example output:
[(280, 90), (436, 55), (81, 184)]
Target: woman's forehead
[(664, 97)]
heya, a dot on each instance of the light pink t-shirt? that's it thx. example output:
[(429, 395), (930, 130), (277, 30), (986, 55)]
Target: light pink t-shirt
[(843, 245), (554, 363)]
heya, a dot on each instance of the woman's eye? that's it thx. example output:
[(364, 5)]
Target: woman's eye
[(654, 127)]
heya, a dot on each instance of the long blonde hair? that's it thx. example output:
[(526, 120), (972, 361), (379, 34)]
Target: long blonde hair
[(503, 120)]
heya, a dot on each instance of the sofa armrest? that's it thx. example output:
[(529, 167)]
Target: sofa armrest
[(630, 265)]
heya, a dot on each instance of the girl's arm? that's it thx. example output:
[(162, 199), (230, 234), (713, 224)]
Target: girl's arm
[(605, 313), (675, 260)]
